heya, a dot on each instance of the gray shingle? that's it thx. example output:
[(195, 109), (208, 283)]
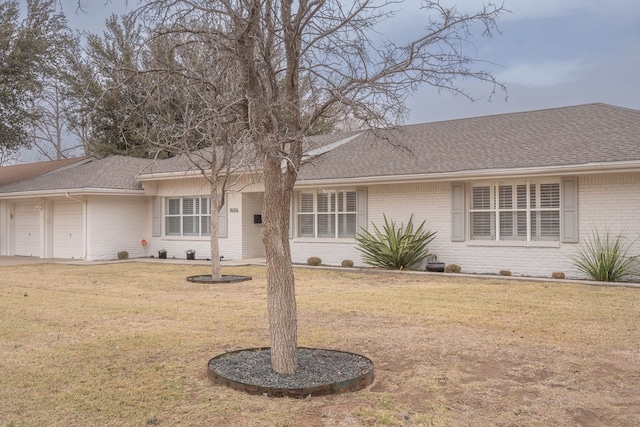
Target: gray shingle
[(115, 172), (592, 133)]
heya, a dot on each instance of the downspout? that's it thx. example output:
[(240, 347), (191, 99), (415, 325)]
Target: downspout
[(84, 221)]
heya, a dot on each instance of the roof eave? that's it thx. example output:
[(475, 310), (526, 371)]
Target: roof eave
[(565, 170), (71, 191)]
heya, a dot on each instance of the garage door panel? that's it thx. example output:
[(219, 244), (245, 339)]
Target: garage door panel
[(68, 229), (27, 230)]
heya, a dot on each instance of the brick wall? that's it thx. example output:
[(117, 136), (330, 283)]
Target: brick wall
[(605, 201), (116, 224), (177, 246)]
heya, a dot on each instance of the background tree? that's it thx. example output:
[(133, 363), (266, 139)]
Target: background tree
[(106, 90), (29, 51)]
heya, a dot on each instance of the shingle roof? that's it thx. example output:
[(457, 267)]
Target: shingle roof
[(115, 172), (592, 133), (185, 163), (17, 173)]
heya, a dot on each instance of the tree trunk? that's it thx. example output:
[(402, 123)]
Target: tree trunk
[(281, 298), (216, 269)]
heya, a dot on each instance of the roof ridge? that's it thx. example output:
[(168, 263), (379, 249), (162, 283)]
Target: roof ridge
[(511, 113)]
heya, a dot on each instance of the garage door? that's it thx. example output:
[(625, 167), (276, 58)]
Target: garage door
[(27, 232), (68, 236)]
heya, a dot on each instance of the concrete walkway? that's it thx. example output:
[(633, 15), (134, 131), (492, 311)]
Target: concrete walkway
[(25, 260)]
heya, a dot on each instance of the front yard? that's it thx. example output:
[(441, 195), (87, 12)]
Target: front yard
[(128, 344)]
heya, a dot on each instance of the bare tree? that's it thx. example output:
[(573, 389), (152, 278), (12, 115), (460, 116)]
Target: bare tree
[(192, 113), (51, 133), (294, 64)]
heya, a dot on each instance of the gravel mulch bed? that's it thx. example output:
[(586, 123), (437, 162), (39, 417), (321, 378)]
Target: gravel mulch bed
[(319, 372), (207, 278)]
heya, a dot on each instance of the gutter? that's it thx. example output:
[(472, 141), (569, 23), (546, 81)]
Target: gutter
[(587, 168), (67, 192)]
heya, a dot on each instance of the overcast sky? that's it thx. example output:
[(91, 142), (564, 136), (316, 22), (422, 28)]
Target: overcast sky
[(552, 53)]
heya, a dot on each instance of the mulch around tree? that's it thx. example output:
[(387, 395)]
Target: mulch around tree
[(319, 372)]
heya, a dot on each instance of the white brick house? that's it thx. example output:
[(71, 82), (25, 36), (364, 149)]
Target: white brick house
[(513, 192)]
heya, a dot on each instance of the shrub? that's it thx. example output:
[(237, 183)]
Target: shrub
[(314, 261), (395, 248), (123, 255), (347, 263), (505, 273), (606, 258), (452, 268), (557, 275)]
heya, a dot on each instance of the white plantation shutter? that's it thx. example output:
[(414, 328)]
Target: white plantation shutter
[(347, 213), (481, 197), (521, 216), (550, 219), (190, 222), (306, 216), (173, 219), (326, 215), (481, 222), (505, 201), (569, 210)]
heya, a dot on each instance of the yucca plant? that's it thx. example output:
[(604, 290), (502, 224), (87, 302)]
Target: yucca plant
[(606, 258), (395, 248)]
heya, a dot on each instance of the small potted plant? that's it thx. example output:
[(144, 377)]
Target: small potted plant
[(433, 264), (191, 254), (162, 253)]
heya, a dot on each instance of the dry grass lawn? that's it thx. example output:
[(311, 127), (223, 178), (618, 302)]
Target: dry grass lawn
[(128, 344)]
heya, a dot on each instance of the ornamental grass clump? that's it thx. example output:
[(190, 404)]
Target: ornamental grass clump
[(606, 258), (395, 248)]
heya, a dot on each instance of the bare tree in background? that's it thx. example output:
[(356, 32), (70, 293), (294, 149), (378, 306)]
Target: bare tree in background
[(193, 114), (293, 64)]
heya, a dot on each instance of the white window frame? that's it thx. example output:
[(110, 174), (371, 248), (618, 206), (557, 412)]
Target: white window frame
[(515, 210), (328, 213), (199, 217)]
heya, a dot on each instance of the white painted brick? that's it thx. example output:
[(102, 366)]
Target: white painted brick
[(605, 201), (116, 223)]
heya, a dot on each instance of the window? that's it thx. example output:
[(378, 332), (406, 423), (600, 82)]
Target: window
[(332, 214), (515, 211), (187, 216)]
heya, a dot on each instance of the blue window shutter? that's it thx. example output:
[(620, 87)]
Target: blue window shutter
[(457, 212), (156, 227), (569, 211), (292, 216), (361, 208), (222, 221)]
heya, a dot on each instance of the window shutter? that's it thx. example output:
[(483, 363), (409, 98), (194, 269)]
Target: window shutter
[(457, 212), (362, 209), (292, 215), (569, 210), (223, 222), (156, 227)]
